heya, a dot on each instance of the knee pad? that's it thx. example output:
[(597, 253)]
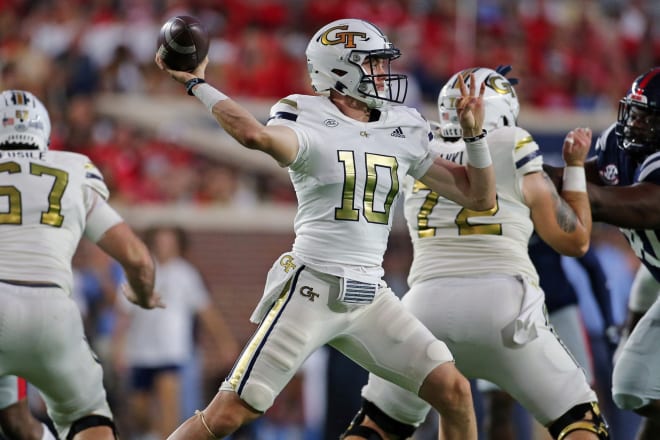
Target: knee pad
[(91, 422), (573, 420), (385, 422)]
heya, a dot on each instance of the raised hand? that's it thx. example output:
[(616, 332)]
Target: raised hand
[(576, 146), (470, 108), (180, 75)]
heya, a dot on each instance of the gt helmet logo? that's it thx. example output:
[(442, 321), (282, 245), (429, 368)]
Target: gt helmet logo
[(347, 38), (494, 81), (500, 85)]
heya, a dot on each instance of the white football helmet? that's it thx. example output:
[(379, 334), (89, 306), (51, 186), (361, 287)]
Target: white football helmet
[(501, 103), (335, 57), (25, 122)]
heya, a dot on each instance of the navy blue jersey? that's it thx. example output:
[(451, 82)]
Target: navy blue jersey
[(616, 168), (559, 291)]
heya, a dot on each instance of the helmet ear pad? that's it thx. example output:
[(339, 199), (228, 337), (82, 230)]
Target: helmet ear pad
[(338, 58)]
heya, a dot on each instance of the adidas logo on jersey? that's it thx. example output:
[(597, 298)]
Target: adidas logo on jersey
[(398, 133)]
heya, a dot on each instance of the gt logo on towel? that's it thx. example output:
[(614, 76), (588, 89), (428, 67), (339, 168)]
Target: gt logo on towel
[(287, 263)]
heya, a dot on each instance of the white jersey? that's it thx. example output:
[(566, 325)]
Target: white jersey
[(450, 240), (165, 336), (45, 200), (347, 177)]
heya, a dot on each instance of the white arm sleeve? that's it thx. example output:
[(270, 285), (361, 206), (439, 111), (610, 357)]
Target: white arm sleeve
[(100, 216), (644, 291)]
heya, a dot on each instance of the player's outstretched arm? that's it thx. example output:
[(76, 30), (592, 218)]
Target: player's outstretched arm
[(634, 206), (278, 141), (556, 174), (564, 222), (121, 243)]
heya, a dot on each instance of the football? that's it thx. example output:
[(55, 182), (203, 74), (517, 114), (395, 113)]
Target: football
[(183, 43)]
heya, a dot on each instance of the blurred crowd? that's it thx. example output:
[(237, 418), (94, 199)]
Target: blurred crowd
[(570, 55)]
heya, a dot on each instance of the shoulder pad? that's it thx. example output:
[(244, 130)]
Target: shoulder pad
[(407, 116), (601, 142), (650, 169), (285, 108), (94, 180), (92, 177), (526, 153)]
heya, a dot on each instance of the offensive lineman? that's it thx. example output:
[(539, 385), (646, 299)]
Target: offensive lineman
[(48, 200), (474, 286)]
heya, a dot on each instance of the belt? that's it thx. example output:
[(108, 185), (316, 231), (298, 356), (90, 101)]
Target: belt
[(30, 283)]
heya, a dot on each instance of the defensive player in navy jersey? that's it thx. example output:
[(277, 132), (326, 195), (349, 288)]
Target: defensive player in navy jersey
[(624, 190)]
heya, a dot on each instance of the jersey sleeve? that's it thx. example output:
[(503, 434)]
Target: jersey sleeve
[(94, 180), (526, 153), (417, 170), (286, 112), (425, 160), (100, 215), (604, 155), (650, 169)]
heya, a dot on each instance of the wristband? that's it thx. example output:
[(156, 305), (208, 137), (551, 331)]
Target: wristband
[(574, 179), (209, 95), (192, 83), (478, 154), (477, 137)]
